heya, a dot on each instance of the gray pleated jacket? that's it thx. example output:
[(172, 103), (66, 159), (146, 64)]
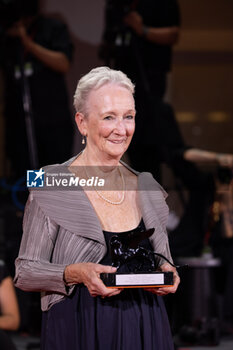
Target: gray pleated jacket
[(61, 228)]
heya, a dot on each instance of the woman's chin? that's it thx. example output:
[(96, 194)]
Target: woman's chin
[(116, 151)]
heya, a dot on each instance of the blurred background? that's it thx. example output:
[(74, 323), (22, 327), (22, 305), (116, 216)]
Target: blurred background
[(199, 88)]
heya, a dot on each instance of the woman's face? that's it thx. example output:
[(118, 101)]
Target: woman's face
[(110, 121)]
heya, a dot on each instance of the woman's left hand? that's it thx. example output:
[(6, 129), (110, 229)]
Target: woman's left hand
[(166, 290)]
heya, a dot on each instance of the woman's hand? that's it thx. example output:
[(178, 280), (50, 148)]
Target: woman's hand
[(89, 275), (166, 290)]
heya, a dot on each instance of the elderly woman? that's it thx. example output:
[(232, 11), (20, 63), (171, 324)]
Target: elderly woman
[(66, 234)]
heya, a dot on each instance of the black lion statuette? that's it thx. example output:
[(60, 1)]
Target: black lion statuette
[(124, 249)]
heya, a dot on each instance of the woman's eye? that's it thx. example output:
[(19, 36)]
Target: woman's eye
[(108, 117), (129, 117)]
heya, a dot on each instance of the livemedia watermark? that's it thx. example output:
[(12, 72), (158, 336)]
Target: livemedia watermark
[(42, 179)]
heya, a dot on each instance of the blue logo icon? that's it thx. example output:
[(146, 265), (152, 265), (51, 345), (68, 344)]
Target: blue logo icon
[(35, 178)]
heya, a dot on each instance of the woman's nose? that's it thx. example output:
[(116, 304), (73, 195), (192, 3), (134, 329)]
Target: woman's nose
[(121, 127)]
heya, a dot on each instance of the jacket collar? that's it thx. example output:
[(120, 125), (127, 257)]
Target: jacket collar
[(73, 211)]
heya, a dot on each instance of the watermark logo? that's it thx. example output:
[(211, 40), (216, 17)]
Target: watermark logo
[(55, 180), (35, 178)]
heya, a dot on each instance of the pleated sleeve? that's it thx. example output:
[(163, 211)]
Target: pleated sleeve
[(34, 270)]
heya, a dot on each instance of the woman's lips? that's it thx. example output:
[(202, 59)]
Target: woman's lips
[(117, 141)]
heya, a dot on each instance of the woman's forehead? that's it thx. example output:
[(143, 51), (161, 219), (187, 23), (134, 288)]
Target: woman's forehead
[(111, 95)]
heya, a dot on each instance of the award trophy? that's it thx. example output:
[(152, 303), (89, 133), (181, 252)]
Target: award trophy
[(136, 264)]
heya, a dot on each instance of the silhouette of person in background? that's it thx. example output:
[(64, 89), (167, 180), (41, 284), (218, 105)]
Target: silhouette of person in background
[(138, 37), (221, 241), (42, 48)]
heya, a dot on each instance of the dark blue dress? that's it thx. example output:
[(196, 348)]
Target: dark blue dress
[(134, 319)]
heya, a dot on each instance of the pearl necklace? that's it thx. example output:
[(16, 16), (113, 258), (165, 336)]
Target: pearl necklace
[(106, 199)]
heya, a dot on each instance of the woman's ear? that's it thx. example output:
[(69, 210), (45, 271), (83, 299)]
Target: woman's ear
[(81, 123)]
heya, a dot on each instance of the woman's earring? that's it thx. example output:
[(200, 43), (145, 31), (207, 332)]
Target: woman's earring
[(83, 140)]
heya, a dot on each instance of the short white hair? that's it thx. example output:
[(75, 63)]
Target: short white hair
[(96, 78)]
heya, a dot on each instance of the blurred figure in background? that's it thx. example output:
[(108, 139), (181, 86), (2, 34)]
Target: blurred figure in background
[(139, 36), (221, 241), (138, 39), (35, 53), (9, 311)]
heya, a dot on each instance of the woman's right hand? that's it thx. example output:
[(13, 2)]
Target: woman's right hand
[(89, 275)]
